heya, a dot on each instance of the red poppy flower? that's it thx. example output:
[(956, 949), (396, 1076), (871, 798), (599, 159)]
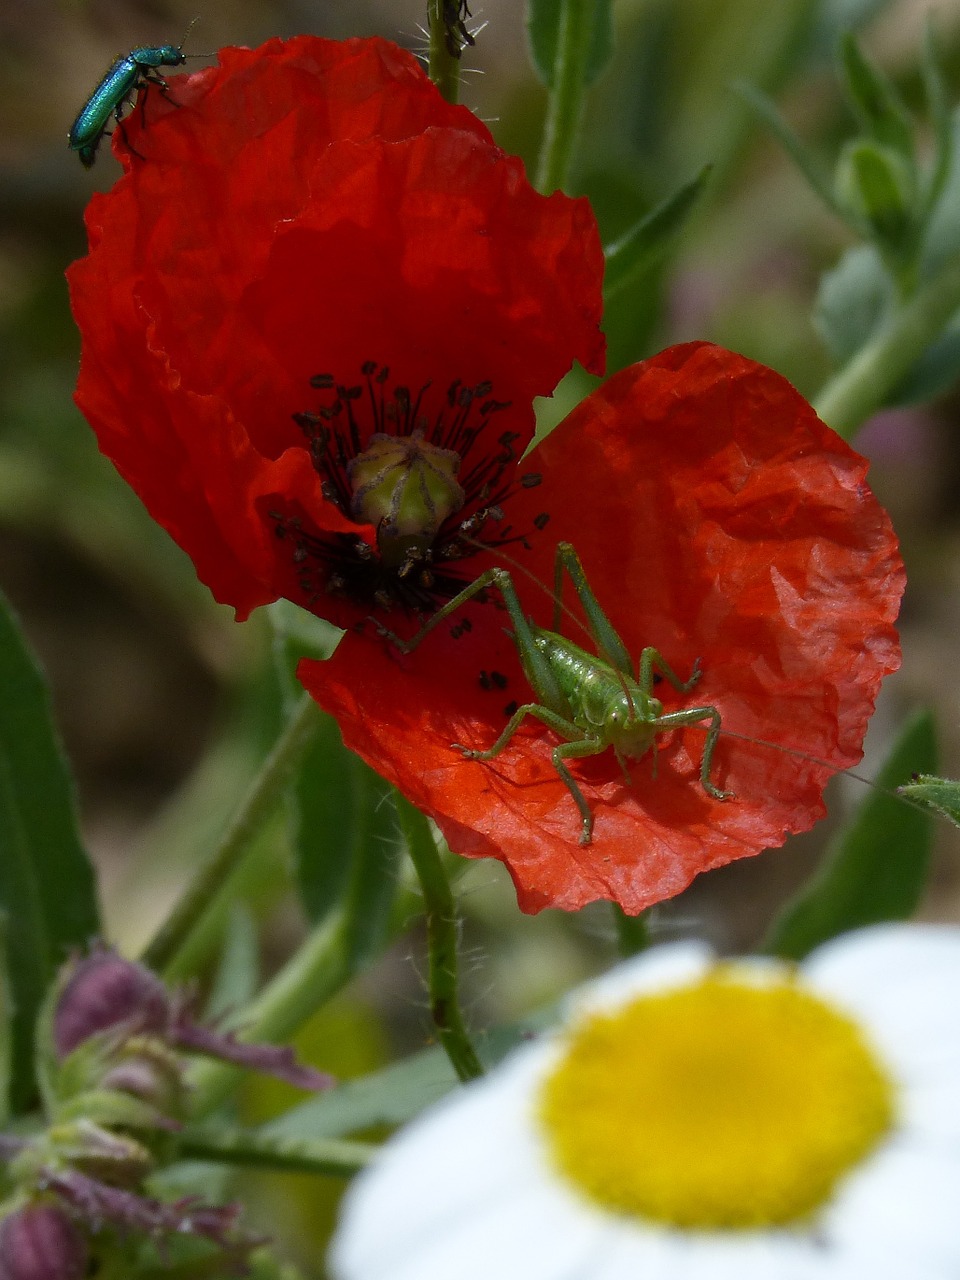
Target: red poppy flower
[(717, 519), (310, 248)]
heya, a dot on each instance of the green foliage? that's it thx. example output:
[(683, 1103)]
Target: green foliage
[(941, 795), (46, 882), (645, 244), (876, 868), (875, 102), (399, 1092), (545, 26)]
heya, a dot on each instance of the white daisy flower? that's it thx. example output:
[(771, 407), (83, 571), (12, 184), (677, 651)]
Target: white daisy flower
[(696, 1120)]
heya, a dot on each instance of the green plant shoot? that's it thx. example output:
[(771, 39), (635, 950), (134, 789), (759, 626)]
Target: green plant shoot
[(591, 702)]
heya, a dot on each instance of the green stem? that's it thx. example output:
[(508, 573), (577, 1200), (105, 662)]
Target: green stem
[(441, 917), (264, 1151), (863, 385), (317, 970), (211, 880), (565, 103), (444, 66)]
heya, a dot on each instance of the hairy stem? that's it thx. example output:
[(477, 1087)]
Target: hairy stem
[(210, 881), (441, 917), (444, 66)]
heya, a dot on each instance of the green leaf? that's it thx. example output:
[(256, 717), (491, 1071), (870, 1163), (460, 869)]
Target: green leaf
[(874, 183), (876, 869), (942, 233), (645, 244), (238, 973), (941, 795), (875, 102), (811, 170), (853, 301), (341, 809), (544, 28), (46, 882), (399, 1092), (937, 370), (938, 108)]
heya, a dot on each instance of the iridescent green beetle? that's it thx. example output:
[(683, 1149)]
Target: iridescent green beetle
[(123, 78)]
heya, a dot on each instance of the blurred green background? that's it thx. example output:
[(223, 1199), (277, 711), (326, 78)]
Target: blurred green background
[(166, 705)]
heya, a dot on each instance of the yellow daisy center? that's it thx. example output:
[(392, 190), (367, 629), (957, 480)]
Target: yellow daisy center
[(719, 1105)]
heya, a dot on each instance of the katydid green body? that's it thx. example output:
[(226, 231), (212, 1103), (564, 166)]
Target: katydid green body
[(592, 702)]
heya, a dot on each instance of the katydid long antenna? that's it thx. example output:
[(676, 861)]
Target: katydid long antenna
[(560, 608)]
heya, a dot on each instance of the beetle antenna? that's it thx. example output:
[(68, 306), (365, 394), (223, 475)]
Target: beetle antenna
[(190, 25)]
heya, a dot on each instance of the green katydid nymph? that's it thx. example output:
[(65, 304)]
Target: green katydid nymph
[(591, 702)]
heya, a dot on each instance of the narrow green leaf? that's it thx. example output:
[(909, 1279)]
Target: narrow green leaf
[(643, 246), (46, 882), (544, 19), (874, 100), (876, 869), (941, 795), (815, 176), (941, 117), (398, 1092)]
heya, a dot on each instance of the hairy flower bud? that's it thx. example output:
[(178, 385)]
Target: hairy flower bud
[(40, 1242), (104, 992)]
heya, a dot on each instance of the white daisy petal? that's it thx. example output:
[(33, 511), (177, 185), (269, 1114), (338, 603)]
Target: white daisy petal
[(473, 1146), (659, 1254), (903, 982), (903, 1203), (469, 1192), (495, 1239), (671, 965)]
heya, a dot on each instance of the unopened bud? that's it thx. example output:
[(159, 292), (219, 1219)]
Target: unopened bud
[(405, 487), (40, 1242), (104, 991)]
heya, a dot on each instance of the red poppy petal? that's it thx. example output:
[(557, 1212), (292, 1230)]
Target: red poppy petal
[(717, 518), (301, 209)]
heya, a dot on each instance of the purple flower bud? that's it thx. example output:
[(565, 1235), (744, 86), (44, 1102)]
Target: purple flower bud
[(132, 1214), (39, 1242), (103, 992)]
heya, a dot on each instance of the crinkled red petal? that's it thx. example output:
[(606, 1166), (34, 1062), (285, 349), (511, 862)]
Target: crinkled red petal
[(717, 518), (304, 208)]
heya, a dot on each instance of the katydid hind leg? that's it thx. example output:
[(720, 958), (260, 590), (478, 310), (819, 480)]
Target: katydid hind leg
[(536, 668), (605, 637)]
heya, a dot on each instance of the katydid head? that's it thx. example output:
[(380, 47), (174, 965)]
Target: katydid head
[(628, 720)]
